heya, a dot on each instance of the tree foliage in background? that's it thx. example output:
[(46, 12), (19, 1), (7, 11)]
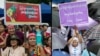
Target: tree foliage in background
[(32, 1)]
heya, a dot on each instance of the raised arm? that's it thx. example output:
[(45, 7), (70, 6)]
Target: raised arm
[(78, 35), (70, 40)]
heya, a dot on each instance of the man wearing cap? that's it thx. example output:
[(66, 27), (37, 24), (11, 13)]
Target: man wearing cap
[(12, 31)]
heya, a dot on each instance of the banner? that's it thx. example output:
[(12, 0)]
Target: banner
[(22, 13), (73, 13)]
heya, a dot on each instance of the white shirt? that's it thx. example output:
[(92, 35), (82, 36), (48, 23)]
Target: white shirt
[(9, 51), (49, 30), (59, 40), (5, 51), (75, 51), (63, 29)]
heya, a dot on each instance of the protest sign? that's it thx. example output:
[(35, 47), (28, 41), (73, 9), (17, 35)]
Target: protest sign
[(22, 13), (73, 13)]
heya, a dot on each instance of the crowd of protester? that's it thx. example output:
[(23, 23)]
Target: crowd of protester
[(69, 41), (25, 40)]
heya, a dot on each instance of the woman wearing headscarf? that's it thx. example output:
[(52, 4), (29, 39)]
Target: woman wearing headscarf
[(33, 49)]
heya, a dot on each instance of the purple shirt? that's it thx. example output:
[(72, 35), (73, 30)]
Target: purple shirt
[(20, 35)]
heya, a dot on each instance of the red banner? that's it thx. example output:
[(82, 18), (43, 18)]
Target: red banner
[(22, 13)]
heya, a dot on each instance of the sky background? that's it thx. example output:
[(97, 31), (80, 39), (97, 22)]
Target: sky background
[(2, 3)]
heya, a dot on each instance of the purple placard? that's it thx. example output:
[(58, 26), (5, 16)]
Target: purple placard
[(73, 13)]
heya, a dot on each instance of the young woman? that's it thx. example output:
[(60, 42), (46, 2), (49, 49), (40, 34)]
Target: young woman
[(14, 48), (75, 44), (33, 49)]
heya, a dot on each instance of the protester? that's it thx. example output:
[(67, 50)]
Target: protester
[(39, 36), (59, 41), (47, 48), (48, 32), (41, 28), (34, 50), (12, 39), (46, 35), (45, 27), (75, 44), (21, 29), (12, 31), (27, 29), (14, 47), (3, 35)]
